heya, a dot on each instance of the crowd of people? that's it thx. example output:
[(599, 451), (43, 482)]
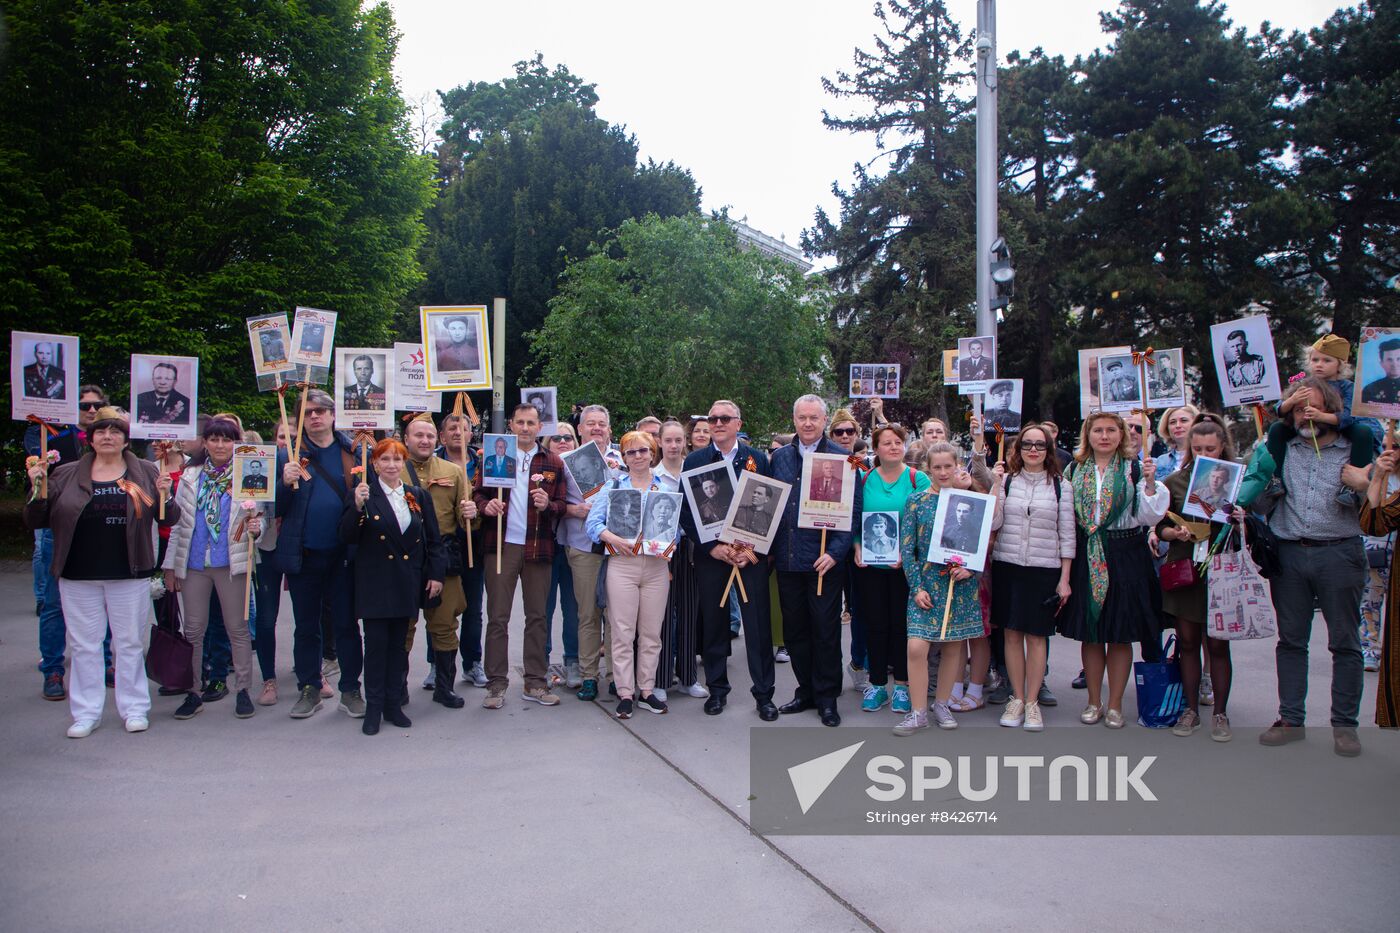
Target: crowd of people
[(1081, 539)]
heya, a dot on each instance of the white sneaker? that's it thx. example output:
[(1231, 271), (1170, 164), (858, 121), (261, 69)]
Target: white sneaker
[(82, 728), (573, 675), (430, 681), (942, 715), (1015, 713), (1034, 723), (659, 694), (477, 675), (698, 690), (138, 724)]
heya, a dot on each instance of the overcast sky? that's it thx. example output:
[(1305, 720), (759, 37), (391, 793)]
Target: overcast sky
[(730, 90)]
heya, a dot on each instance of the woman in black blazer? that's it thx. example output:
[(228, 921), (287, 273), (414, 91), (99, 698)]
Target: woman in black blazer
[(399, 566)]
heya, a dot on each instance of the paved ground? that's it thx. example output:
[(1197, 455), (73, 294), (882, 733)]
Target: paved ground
[(567, 819)]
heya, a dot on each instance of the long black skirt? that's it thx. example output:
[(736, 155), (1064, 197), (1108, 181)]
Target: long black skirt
[(1133, 607)]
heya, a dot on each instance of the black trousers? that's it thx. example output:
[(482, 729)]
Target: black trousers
[(386, 662), (712, 575), (812, 631), (884, 605)]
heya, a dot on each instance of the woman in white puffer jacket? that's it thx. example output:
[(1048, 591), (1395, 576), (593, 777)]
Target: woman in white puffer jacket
[(1031, 562)]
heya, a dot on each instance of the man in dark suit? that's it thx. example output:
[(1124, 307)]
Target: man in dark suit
[(974, 367), (364, 395), (498, 464), (961, 533), (163, 404), (826, 484), (715, 561), (811, 622), (42, 379)]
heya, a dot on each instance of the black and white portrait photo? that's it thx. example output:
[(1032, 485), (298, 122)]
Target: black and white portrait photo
[(661, 521), (456, 347), (962, 528), (879, 539), (753, 513), (365, 400), (313, 337), (1166, 386), (1003, 406), (588, 468), (708, 491), (164, 391), (1120, 388), (253, 471), (1214, 485), (625, 512), (1245, 364), (44, 377), (545, 400)]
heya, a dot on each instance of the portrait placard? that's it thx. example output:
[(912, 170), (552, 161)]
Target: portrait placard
[(313, 337), (254, 472), (828, 493), (1120, 384), (364, 392), (1214, 486), (875, 380), (1003, 405), (879, 539), (455, 348), (1245, 364), (962, 528), (1089, 376), (43, 377), (271, 341), (164, 397), (977, 364), (1166, 380), (709, 491), (755, 511), (661, 518), (588, 467), (950, 367), (546, 402), (1377, 391), (411, 380), (625, 513), (499, 453)]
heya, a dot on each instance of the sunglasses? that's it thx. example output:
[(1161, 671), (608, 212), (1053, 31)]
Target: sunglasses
[(720, 419), (843, 431), (89, 406), (638, 452), (1035, 445), (318, 411), (565, 437)]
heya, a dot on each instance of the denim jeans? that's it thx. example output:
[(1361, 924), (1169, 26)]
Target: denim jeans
[(1335, 576), (52, 633), (474, 586), (325, 575), (269, 603), (561, 590)]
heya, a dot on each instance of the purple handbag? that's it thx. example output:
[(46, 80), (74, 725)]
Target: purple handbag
[(170, 659)]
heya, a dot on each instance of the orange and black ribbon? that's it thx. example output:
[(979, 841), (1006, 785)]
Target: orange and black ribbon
[(43, 425), (857, 463), (138, 495), (1146, 356), (412, 501), (750, 465)]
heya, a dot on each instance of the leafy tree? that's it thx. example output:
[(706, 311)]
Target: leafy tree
[(169, 168), (904, 242), (670, 314), (1345, 89)]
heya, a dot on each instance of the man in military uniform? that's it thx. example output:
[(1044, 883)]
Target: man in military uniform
[(1385, 390), (1242, 368), (42, 379), (452, 503), (164, 404)]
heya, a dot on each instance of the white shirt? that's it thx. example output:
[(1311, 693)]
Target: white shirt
[(1150, 509), (728, 457), (398, 503), (519, 499), (806, 449)]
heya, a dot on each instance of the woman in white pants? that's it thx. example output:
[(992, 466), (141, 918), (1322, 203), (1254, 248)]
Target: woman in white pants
[(101, 510), (209, 554), (637, 583)]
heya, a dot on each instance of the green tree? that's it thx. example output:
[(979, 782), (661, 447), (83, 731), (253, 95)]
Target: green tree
[(1179, 138), (903, 245), (1345, 89), (670, 314), (168, 168), (529, 199)]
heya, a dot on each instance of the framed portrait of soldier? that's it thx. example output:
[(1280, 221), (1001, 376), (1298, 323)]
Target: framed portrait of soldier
[(1166, 380), (1214, 486), (1377, 391), (1089, 395), (828, 489), (1245, 364), (661, 519), (754, 512), (950, 367), (879, 539), (874, 380), (164, 397), (1003, 405), (270, 338), (709, 491), (364, 399), (499, 456), (962, 528), (977, 364), (254, 476), (455, 347), (587, 465), (313, 341), (44, 377), (625, 513), (546, 402), (1120, 388)]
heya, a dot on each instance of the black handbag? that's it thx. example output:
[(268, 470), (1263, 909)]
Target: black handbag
[(1263, 546), (170, 659)]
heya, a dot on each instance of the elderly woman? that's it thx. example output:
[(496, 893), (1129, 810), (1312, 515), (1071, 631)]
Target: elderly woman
[(101, 509), (210, 555)]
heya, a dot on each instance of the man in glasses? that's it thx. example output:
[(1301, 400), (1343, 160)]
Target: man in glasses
[(315, 561), (811, 622), (68, 444), (715, 561)]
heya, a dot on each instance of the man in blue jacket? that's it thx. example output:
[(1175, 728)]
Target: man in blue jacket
[(811, 623), (715, 561), (317, 564)]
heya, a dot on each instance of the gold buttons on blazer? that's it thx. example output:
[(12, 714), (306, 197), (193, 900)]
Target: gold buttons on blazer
[(405, 557), (381, 537)]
